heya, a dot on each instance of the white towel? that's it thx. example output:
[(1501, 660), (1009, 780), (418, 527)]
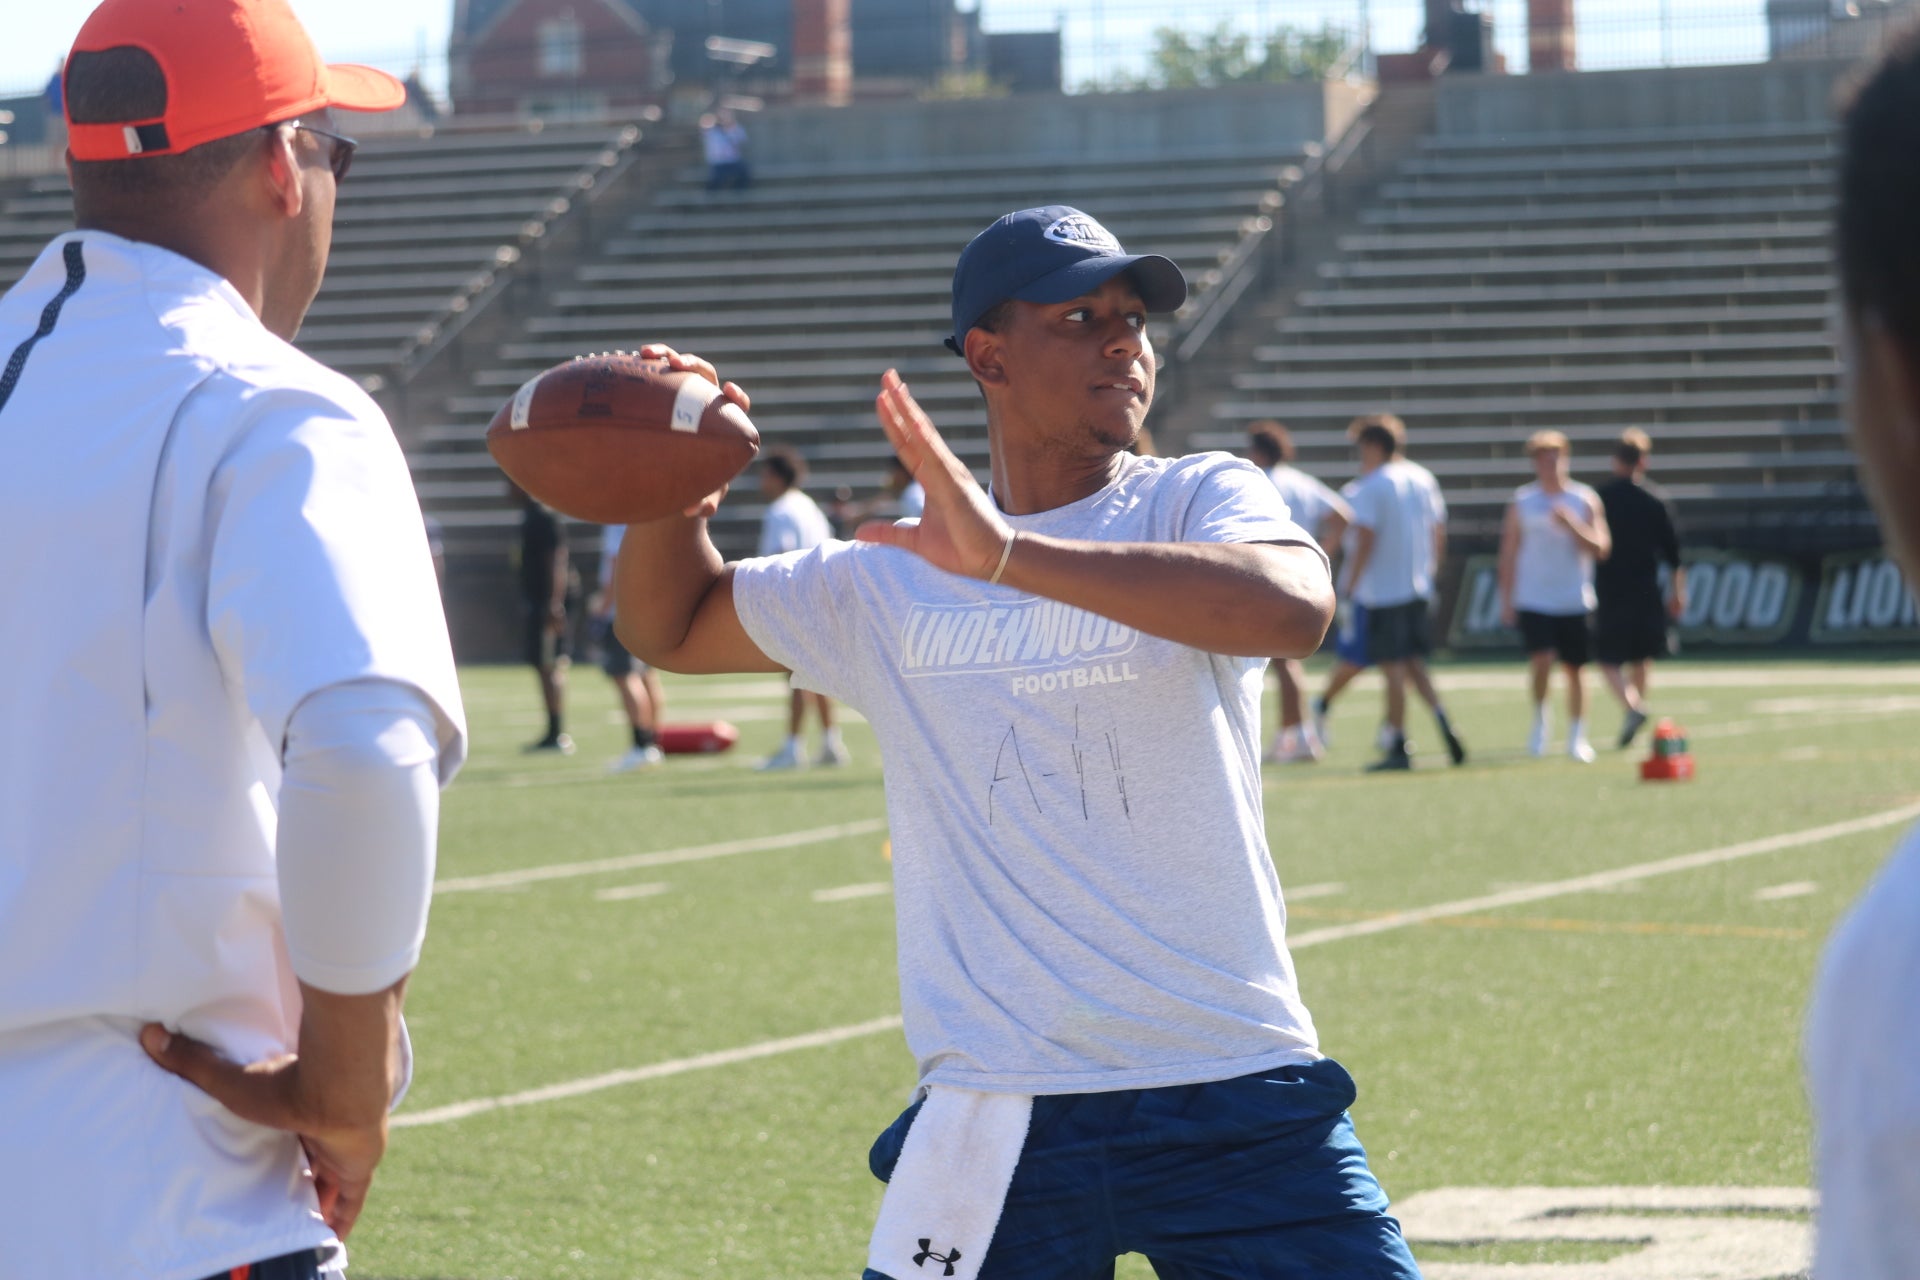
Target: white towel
[(944, 1199)]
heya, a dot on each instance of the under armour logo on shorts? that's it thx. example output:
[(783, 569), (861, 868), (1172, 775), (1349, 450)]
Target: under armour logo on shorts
[(927, 1255)]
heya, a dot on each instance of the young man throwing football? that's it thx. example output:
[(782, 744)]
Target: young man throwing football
[(1064, 674)]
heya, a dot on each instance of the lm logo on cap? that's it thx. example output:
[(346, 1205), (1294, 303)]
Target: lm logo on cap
[(1083, 232)]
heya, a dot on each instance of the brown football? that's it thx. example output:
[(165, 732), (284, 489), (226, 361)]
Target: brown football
[(619, 440)]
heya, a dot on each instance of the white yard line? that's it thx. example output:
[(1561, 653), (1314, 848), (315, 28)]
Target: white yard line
[(1784, 723), (1338, 933), (1781, 892), (628, 892), (1307, 892), (665, 857), (1607, 879), (848, 892), (655, 1071)]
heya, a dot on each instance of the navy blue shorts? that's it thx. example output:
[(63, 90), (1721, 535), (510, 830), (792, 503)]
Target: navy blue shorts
[(304, 1265), (1255, 1178), (1350, 642)]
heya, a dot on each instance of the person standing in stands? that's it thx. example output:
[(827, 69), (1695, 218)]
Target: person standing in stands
[(546, 580), (725, 142), (1633, 623), (1399, 540), (794, 522), (1325, 514), (1862, 1041), (1553, 533), (234, 701), (633, 680)]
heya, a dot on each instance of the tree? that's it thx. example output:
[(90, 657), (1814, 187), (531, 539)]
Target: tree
[(1187, 60)]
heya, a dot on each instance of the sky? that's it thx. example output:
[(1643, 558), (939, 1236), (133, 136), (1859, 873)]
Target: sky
[(394, 33), (387, 32)]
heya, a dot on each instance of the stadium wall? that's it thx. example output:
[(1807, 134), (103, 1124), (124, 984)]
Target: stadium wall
[(1783, 93), (1237, 119)]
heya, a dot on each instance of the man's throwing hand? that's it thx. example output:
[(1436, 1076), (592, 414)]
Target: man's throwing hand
[(959, 531), (694, 364)]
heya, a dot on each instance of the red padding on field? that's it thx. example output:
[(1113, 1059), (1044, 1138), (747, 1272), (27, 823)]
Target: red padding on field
[(697, 739)]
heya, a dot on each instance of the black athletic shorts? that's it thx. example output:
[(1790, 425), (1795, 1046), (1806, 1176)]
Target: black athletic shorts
[(614, 658), (1397, 632), (545, 648), (1566, 634), (1636, 632)]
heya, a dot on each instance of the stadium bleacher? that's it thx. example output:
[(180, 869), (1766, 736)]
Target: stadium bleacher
[(424, 226), (1676, 280), (805, 287)]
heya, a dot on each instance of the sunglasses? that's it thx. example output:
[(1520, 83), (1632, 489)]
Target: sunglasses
[(341, 148)]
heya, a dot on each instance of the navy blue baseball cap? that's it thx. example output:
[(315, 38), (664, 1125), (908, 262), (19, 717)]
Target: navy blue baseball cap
[(1051, 254)]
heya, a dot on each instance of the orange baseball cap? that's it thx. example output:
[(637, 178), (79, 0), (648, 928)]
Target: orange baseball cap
[(229, 66)]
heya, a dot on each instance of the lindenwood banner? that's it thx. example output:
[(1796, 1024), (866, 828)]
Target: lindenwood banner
[(1740, 599)]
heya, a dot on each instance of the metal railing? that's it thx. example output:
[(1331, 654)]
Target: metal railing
[(467, 304), (1240, 269)]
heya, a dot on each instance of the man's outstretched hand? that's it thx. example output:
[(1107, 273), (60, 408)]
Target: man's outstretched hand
[(333, 1094), (959, 531)]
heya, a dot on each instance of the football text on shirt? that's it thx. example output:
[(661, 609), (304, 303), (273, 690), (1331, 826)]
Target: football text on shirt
[(1025, 636)]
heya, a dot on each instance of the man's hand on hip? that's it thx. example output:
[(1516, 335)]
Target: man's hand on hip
[(334, 1093)]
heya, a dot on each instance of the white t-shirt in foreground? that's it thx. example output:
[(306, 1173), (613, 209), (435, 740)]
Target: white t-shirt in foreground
[(1400, 501), (1084, 895), (1553, 573), (1863, 1071), (219, 529), (794, 522)]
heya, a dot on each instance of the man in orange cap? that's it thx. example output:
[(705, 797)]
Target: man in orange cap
[(219, 790)]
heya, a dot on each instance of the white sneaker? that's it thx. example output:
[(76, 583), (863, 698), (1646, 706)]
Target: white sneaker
[(1296, 747), (1580, 751), (637, 758), (1537, 740), (1321, 732), (787, 757), (833, 754)]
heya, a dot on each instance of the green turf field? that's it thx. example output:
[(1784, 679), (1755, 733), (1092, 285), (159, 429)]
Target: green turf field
[(1638, 1032)]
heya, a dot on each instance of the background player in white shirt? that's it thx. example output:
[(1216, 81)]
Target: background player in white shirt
[(1064, 677), (1863, 1041), (1325, 514), (219, 788), (1399, 541), (1553, 532), (794, 522), (900, 496)]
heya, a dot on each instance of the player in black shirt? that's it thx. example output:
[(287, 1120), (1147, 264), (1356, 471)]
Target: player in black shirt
[(545, 582), (1632, 626)]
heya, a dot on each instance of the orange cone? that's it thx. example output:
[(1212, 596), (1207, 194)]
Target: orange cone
[(1671, 761)]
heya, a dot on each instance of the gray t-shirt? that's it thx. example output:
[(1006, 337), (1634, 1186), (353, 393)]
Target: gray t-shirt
[(1085, 900)]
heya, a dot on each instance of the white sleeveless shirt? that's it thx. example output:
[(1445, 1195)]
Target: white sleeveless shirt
[(1553, 573)]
